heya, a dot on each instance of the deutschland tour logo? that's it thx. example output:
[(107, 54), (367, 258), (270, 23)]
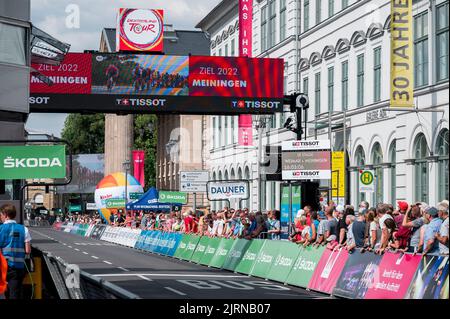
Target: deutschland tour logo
[(141, 29)]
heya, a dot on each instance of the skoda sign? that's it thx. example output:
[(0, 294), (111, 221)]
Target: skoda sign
[(223, 190), (26, 162)]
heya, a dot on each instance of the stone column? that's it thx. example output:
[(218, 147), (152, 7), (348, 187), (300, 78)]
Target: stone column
[(118, 142)]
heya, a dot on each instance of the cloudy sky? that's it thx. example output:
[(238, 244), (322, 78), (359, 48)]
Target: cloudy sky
[(56, 18)]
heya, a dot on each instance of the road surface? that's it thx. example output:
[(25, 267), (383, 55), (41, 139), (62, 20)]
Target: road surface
[(153, 276)]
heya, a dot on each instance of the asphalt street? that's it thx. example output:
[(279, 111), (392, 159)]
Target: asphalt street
[(153, 276)]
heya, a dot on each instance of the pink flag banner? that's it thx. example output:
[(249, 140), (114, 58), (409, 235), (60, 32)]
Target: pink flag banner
[(139, 165)]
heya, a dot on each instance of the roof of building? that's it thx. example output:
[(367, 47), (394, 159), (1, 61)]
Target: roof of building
[(220, 10), (176, 42)]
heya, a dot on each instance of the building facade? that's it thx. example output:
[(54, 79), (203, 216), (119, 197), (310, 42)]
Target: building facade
[(15, 30), (341, 60)]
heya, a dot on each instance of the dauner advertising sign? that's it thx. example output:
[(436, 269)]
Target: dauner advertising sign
[(227, 190), (134, 83), (23, 162), (402, 63), (140, 30)]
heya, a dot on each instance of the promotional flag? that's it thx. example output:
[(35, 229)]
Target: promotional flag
[(402, 63), (245, 130), (245, 133), (138, 166)]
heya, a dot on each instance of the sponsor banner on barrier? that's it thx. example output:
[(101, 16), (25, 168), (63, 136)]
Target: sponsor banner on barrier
[(245, 266), (328, 270), (431, 280), (200, 249), (284, 261), (357, 275), (236, 253), (221, 253), (395, 273), (210, 251), (304, 266), (190, 248), (265, 258), (182, 246), (174, 240), (140, 240)]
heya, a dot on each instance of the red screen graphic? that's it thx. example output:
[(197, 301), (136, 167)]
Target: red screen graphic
[(73, 76), (237, 77)]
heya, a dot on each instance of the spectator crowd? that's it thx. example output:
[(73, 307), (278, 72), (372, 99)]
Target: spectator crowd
[(416, 228)]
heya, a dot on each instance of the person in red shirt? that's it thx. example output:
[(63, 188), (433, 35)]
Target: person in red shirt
[(308, 211), (194, 223), (187, 222)]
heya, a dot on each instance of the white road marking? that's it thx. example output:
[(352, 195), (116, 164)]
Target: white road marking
[(107, 262), (77, 249), (124, 269), (69, 246), (145, 278), (176, 291), (95, 257), (64, 244), (169, 275), (85, 253)]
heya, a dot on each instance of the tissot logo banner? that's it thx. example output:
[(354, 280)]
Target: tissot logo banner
[(306, 145), (431, 280), (138, 83), (73, 75), (140, 30), (358, 274), (23, 162), (395, 273), (328, 270), (402, 62), (227, 190)]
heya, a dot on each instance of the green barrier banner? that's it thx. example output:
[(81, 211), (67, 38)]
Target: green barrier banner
[(266, 258), (287, 255), (236, 253), (221, 253), (200, 250), (303, 269), (182, 246), (191, 245), (246, 264), (210, 251)]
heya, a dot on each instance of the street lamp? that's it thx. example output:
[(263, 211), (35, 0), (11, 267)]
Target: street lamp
[(126, 166)]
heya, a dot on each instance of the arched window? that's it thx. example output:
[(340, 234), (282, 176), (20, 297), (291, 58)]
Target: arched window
[(393, 170), (360, 159), (377, 160), (233, 175), (421, 169), (442, 153)]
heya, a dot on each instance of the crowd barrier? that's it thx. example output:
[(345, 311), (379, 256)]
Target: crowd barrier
[(338, 273)]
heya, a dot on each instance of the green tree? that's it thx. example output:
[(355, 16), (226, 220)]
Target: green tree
[(146, 138), (86, 133)]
